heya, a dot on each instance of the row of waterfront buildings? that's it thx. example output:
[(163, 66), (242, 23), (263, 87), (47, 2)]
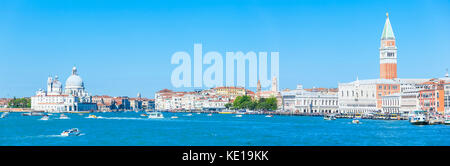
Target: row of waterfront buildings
[(387, 94), (75, 98)]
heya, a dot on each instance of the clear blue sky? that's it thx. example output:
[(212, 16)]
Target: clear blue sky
[(124, 47)]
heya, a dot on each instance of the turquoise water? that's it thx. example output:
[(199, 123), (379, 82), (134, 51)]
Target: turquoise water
[(129, 128)]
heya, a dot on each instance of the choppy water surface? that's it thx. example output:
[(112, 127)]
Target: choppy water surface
[(129, 128)]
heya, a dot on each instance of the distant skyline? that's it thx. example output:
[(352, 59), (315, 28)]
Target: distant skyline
[(124, 47)]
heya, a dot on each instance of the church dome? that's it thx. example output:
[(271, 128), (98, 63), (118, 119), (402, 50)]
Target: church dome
[(74, 81)]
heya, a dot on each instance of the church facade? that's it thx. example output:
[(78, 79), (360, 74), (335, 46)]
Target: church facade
[(73, 98)]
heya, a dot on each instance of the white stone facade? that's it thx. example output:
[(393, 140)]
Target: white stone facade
[(74, 97)]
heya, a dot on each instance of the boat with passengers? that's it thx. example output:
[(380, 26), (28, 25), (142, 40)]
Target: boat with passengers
[(155, 115), (329, 117), (418, 117), (71, 132)]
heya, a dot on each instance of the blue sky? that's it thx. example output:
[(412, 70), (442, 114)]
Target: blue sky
[(124, 47)]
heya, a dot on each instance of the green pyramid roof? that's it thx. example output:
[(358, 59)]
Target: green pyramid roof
[(388, 33)]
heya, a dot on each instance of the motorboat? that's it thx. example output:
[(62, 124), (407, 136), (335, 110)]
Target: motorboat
[(269, 116), (418, 117), (198, 112), (447, 120), (356, 121), (26, 114), (188, 114), (144, 115), (33, 114), (155, 115), (62, 116), (209, 115), (4, 114), (92, 116), (225, 112), (329, 117), (174, 117), (45, 117), (239, 115), (71, 132)]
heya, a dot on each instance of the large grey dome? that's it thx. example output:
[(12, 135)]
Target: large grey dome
[(74, 81)]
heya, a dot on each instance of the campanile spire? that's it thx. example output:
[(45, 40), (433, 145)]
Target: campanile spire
[(388, 52)]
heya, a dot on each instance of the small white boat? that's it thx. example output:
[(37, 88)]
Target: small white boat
[(198, 112), (239, 115), (143, 114), (356, 121), (209, 115), (269, 116), (4, 114), (62, 116), (155, 115), (188, 114), (446, 119), (329, 117), (174, 117), (71, 132), (50, 114), (92, 116), (45, 117)]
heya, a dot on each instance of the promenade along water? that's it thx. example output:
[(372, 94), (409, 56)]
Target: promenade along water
[(129, 128)]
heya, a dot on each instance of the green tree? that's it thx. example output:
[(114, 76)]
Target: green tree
[(242, 102), (228, 105), (267, 104), (20, 103)]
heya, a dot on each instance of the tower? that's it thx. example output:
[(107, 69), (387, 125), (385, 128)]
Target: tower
[(274, 84), (388, 52), (258, 87), (49, 84)]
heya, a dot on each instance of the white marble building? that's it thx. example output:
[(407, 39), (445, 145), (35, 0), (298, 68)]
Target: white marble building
[(73, 98), (310, 102)]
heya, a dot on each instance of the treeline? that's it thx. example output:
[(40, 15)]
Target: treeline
[(20, 103), (246, 102)]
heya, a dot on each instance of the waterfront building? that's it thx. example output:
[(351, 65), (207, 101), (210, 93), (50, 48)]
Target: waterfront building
[(391, 103), (447, 97), (365, 96), (431, 96), (121, 103), (4, 102), (315, 102), (213, 99), (54, 99), (104, 103), (148, 104), (135, 103), (230, 91), (288, 100)]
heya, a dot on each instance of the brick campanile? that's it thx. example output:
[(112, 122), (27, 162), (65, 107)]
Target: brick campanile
[(388, 52)]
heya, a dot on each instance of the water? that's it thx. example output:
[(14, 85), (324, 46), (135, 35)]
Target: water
[(129, 128)]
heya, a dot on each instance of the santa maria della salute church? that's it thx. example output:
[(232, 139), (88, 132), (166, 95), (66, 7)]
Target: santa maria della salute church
[(73, 98)]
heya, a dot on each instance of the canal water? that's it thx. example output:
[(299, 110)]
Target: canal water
[(129, 128)]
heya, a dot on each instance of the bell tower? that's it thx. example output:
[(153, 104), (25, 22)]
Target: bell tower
[(388, 52)]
